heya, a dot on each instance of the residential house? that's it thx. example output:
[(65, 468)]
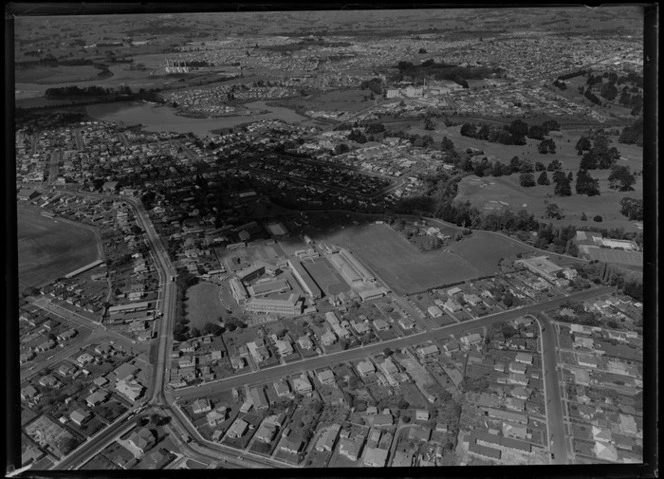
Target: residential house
[(366, 367), (238, 428), (80, 416), (326, 440), (201, 405), (142, 439), (351, 448)]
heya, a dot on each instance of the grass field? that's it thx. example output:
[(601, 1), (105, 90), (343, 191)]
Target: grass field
[(49, 249), (59, 74), (485, 250), (203, 305), (487, 191), (406, 270), (625, 258), (565, 148)]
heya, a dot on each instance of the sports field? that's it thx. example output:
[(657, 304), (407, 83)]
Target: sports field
[(485, 250), (203, 305), (399, 263), (49, 249), (626, 258)]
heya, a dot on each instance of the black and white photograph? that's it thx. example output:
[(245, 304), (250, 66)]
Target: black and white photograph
[(341, 239)]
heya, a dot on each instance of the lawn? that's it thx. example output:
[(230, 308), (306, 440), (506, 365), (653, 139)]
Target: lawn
[(49, 249), (203, 305)]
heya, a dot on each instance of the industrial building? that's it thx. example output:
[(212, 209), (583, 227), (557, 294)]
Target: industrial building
[(304, 278), (291, 306), (541, 266)]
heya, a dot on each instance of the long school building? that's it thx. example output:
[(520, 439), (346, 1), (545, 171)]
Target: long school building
[(291, 306), (304, 278)]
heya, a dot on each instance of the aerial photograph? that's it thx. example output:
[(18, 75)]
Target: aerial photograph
[(330, 239)]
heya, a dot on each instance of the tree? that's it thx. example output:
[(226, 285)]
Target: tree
[(597, 219), (584, 217), (589, 161), (526, 166), (586, 184), (341, 148), (563, 187), (583, 144), (543, 179), (554, 165), (632, 208), (539, 166), (621, 178), (546, 146), (553, 211)]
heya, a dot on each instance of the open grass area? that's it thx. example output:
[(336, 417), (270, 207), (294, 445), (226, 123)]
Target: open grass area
[(341, 100), (49, 249), (399, 263), (616, 256), (489, 192), (203, 305), (485, 250), (59, 74), (565, 141)]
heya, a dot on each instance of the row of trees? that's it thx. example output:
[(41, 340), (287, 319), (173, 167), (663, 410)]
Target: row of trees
[(513, 134)]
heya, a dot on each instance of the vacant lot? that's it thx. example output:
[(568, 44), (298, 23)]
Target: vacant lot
[(398, 262), (489, 192), (203, 305), (49, 249)]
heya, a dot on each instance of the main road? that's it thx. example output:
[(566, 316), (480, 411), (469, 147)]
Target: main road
[(270, 374)]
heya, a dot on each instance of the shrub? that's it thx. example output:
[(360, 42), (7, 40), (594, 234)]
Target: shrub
[(597, 219)]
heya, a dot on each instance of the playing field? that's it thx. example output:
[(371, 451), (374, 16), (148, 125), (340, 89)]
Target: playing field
[(203, 305), (49, 249), (626, 258), (485, 250), (399, 263)]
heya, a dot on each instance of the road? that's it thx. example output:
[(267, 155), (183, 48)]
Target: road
[(553, 402), (265, 375), (86, 451)]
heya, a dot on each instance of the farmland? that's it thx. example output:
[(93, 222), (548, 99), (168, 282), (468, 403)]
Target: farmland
[(406, 270), (203, 304), (49, 249)]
